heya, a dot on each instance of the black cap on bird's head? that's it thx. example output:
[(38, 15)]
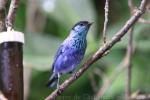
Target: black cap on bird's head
[(83, 23)]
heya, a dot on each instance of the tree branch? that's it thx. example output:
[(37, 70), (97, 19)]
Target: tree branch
[(138, 96), (93, 82), (133, 7), (129, 65), (129, 56), (108, 82), (99, 54), (12, 13), (2, 14), (142, 20), (106, 20)]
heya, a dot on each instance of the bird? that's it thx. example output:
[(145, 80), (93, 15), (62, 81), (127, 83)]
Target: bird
[(70, 52)]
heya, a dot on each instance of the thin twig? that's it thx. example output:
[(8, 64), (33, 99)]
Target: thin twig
[(12, 13), (129, 56), (2, 4), (99, 54), (129, 65), (2, 8), (142, 20), (93, 82), (100, 73), (124, 63), (2, 14), (142, 97), (106, 20), (131, 5), (132, 10), (137, 95), (108, 82)]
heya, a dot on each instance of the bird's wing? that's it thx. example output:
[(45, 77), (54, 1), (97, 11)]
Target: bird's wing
[(70, 58), (67, 57), (76, 55), (60, 50)]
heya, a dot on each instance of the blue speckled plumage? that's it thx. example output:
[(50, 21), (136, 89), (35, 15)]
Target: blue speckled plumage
[(70, 53)]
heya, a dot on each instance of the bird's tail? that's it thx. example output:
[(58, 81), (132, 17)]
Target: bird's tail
[(53, 80)]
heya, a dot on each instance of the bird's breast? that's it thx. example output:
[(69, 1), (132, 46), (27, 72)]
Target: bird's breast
[(79, 43)]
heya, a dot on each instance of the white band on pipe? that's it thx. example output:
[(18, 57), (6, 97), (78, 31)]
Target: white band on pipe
[(11, 36)]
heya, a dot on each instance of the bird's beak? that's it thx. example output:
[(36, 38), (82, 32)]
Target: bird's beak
[(89, 24)]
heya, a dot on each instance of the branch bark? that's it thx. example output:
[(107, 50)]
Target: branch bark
[(2, 15), (109, 81), (129, 65), (133, 7), (10, 19), (142, 20), (106, 20), (99, 54), (138, 96), (93, 82)]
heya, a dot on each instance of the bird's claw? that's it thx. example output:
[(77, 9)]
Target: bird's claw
[(59, 90), (75, 75), (106, 53)]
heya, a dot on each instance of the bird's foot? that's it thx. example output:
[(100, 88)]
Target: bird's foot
[(58, 86), (106, 53), (75, 75), (58, 81), (59, 90), (71, 72)]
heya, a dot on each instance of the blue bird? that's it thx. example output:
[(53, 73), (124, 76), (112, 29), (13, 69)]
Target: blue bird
[(70, 53)]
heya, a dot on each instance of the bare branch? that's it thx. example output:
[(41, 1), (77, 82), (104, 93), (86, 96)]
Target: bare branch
[(138, 96), (133, 8), (129, 65), (143, 5), (12, 13), (108, 82), (129, 55), (142, 20), (93, 82), (2, 4), (100, 73), (2, 14), (131, 5), (106, 20), (99, 54), (142, 97)]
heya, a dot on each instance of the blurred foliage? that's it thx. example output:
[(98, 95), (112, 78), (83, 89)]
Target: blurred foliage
[(40, 47)]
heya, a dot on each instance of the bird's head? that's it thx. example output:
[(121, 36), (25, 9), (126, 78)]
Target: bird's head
[(81, 28)]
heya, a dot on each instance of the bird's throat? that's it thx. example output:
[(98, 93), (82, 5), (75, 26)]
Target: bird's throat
[(78, 43)]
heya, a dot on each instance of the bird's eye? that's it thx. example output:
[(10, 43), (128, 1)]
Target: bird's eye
[(81, 24)]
